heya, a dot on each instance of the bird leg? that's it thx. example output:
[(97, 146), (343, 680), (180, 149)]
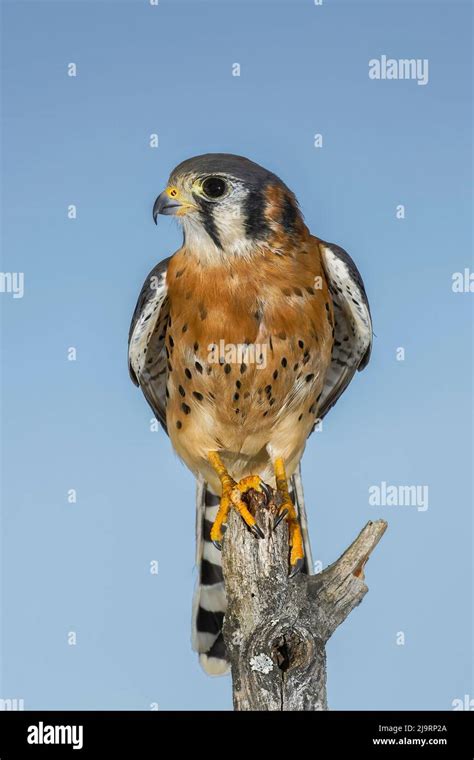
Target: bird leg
[(287, 511), (231, 496)]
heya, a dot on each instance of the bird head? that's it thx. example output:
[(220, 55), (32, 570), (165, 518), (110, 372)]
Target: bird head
[(229, 205)]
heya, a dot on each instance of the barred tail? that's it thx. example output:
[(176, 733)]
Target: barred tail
[(209, 598), (209, 604)]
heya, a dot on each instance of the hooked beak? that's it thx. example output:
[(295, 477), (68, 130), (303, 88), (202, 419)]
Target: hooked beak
[(166, 203)]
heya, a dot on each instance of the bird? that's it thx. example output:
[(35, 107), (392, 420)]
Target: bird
[(241, 342)]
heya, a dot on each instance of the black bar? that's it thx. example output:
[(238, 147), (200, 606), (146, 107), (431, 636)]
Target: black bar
[(155, 734)]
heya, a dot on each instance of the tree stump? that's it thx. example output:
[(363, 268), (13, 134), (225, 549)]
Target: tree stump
[(276, 627)]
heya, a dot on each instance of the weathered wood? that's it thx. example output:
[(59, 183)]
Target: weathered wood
[(276, 627)]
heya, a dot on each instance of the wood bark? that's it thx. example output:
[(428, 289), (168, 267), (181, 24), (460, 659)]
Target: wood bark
[(276, 627)]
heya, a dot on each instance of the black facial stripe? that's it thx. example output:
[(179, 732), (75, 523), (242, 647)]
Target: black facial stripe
[(210, 226), (254, 214), (207, 218), (289, 214)]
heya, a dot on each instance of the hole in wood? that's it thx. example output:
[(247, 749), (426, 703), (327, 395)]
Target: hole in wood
[(288, 651)]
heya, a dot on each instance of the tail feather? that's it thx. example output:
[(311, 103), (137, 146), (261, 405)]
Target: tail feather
[(210, 604), (209, 599)]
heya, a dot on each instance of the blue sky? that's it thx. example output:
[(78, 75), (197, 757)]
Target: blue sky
[(84, 140)]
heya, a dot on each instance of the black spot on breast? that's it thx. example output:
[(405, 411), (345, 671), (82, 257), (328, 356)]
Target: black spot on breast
[(298, 292), (300, 418), (284, 362), (310, 291), (308, 378), (275, 374), (236, 396), (186, 409), (301, 344), (282, 335), (243, 368), (197, 395), (179, 425), (268, 389), (196, 346), (202, 311), (227, 369), (181, 390), (185, 327), (198, 367), (286, 291), (187, 372)]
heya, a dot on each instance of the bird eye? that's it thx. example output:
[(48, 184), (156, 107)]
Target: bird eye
[(214, 187)]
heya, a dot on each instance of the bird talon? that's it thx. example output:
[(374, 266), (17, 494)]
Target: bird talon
[(281, 516), (266, 490), (231, 497), (257, 531), (296, 568)]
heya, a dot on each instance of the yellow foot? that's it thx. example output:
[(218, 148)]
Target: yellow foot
[(232, 493), (287, 511)]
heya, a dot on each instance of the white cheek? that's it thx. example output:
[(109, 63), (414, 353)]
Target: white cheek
[(229, 219), (198, 241)]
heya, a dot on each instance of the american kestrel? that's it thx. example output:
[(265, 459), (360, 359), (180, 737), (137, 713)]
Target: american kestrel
[(241, 341)]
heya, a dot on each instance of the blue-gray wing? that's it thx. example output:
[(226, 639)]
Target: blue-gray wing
[(147, 360), (353, 324)]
